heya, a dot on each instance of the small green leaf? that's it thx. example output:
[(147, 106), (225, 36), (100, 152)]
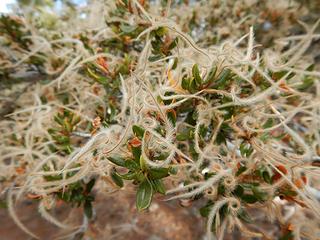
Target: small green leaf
[(127, 28), (90, 185), (306, 83), (155, 57), (244, 216), (131, 165), (173, 170), (58, 119), (158, 173), (138, 131), (87, 207), (173, 44), (204, 211), (144, 195), (129, 175), (196, 74), (158, 186), (241, 170), (288, 192), (268, 123), (223, 79), (238, 191), (208, 175), (162, 156), (261, 196), (175, 63), (245, 149), (210, 76), (136, 152), (185, 83), (117, 161), (161, 31), (221, 189), (287, 236), (140, 177), (172, 117), (143, 164), (266, 177), (182, 137), (192, 86), (224, 210), (249, 198), (116, 178)]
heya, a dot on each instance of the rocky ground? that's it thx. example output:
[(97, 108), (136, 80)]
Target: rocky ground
[(116, 217)]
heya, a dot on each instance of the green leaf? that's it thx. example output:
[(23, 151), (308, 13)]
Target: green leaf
[(127, 28), (238, 191), (175, 63), (249, 198), (244, 216), (158, 173), (143, 164), (140, 177), (182, 136), (58, 119), (224, 210), (221, 189), (173, 44), (210, 76), (287, 236), (266, 177), (208, 175), (245, 150), (185, 83), (173, 170), (172, 117), (158, 186), (129, 175), (90, 185), (155, 57), (223, 79), (132, 165), (138, 131), (204, 211), (87, 207), (289, 192), (306, 83), (116, 178), (241, 170), (268, 123), (136, 152), (196, 74), (161, 156), (261, 196), (161, 31), (192, 86), (144, 195), (117, 161)]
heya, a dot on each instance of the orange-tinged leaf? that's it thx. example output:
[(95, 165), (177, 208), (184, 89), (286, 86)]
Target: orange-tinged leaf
[(304, 179), (33, 196), (102, 62), (277, 175), (173, 83), (299, 183), (135, 142), (290, 227), (20, 170)]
